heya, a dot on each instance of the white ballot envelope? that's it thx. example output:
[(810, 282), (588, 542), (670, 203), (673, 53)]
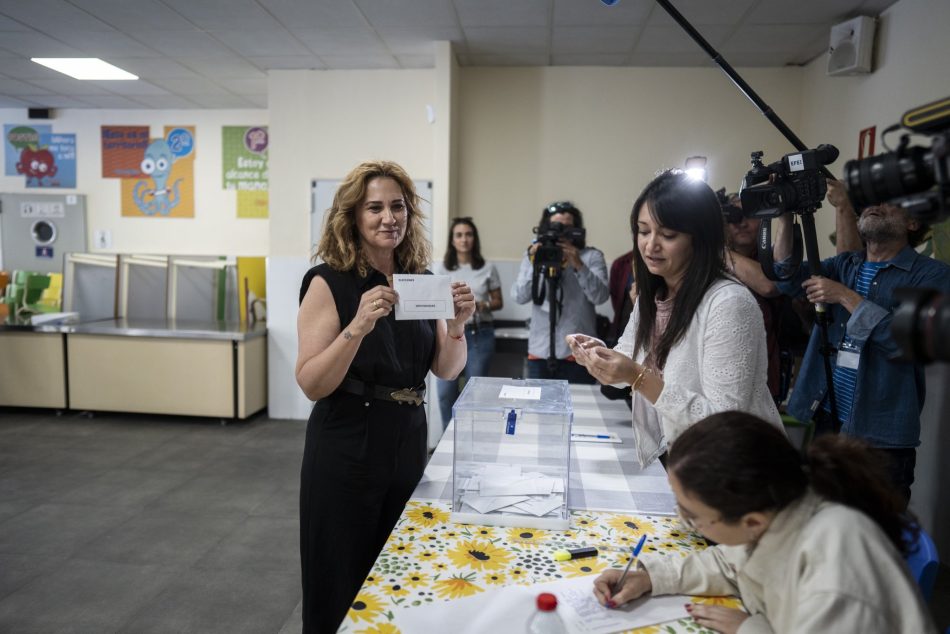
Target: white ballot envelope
[(423, 297)]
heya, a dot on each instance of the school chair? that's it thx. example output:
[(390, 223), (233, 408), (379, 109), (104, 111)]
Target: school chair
[(923, 562)]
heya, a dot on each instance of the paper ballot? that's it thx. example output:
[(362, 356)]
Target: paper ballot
[(423, 297)]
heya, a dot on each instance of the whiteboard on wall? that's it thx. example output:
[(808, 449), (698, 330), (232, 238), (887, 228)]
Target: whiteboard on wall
[(321, 199)]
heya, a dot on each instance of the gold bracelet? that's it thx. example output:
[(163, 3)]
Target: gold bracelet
[(639, 380)]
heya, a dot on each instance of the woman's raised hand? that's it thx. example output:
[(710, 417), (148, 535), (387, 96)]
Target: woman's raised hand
[(375, 303), (464, 302)]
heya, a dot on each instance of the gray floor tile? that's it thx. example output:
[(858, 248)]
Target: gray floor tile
[(225, 601), (258, 543), (284, 502), (17, 571), (162, 537), (216, 494), (84, 597), (294, 624), (123, 487), (58, 529), (179, 455)]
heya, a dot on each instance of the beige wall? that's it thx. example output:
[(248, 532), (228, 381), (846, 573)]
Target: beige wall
[(215, 229), (596, 136), (911, 68), (323, 123)]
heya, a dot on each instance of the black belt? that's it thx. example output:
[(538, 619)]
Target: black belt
[(407, 395)]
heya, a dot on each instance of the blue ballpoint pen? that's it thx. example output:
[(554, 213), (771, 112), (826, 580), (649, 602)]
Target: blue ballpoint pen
[(636, 553), (590, 435)]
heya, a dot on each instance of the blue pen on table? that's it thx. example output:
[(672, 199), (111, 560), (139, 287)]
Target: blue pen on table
[(636, 553), (576, 435)]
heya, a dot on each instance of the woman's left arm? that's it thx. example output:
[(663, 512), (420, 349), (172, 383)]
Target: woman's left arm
[(451, 353)]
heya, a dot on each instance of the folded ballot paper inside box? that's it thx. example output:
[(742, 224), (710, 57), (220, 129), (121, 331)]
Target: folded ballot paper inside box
[(512, 458)]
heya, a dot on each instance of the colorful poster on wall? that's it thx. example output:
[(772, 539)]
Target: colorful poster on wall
[(18, 137), (244, 168), (53, 164), (166, 188), (123, 147)]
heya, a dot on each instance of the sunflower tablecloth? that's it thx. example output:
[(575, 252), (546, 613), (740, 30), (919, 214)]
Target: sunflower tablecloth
[(428, 558)]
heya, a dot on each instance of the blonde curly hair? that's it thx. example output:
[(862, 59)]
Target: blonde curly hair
[(340, 244)]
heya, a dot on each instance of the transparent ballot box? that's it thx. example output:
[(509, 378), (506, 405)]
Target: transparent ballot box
[(511, 464)]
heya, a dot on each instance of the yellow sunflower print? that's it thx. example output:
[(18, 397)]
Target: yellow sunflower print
[(415, 579), (526, 536), (371, 580), (583, 567), (725, 602), (496, 578), (628, 524), (456, 587), (427, 515), (400, 548), (479, 555), (365, 607), (382, 628), (394, 589)]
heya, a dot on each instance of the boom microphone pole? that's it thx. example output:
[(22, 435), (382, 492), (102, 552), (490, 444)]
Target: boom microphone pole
[(808, 221)]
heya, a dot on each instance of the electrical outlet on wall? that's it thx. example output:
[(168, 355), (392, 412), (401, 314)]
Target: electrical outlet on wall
[(103, 239)]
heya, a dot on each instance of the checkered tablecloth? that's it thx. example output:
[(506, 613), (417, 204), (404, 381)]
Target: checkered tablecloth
[(604, 476)]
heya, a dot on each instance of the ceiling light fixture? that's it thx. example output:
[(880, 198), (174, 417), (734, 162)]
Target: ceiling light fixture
[(84, 68), (696, 168)]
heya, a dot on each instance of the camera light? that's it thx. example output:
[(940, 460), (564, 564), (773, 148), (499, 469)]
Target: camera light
[(696, 168)]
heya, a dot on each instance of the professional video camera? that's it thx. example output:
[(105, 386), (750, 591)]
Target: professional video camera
[(794, 184), (913, 177), (731, 212), (549, 253)]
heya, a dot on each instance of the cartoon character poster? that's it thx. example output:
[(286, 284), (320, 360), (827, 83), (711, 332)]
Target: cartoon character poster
[(16, 138), (166, 186), (244, 168), (42, 157)]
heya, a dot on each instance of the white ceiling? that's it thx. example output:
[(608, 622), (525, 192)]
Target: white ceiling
[(216, 53)]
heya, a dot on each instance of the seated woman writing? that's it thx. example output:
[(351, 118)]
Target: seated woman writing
[(813, 547)]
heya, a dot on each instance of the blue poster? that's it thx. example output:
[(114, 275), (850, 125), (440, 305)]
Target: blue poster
[(53, 164), (16, 138)]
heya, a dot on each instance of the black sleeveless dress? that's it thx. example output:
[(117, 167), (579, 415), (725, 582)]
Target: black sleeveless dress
[(362, 457)]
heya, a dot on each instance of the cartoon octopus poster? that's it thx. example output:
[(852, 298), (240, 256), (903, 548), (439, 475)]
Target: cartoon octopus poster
[(165, 186)]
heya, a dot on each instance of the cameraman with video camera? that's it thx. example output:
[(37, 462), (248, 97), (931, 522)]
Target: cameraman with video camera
[(565, 279), (878, 399)]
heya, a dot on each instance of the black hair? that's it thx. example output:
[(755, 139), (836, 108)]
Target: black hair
[(737, 463), (451, 259), (680, 203), (563, 207)]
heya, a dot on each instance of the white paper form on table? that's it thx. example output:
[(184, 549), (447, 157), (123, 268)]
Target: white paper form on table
[(508, 609), (423, 297)]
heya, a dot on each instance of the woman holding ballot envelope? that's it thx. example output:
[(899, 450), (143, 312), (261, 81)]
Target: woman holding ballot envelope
[(695, 342), (365, 448), (809, 546)]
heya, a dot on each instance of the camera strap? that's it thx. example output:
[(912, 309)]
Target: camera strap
[(765, 251)]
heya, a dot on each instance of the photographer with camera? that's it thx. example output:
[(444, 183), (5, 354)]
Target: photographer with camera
[(565, 279), (877, 398), (786, 333)]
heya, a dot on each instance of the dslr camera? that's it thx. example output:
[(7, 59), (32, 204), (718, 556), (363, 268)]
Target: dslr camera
[(793, 184), (914, 177), (549, 252)]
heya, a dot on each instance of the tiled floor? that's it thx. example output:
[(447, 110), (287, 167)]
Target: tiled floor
[(141, 524), (122, 523)]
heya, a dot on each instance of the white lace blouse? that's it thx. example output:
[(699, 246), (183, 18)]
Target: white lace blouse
[(720, 364)]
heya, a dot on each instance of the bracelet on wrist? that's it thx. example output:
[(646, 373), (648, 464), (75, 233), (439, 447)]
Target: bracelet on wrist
[(638, 381), (459, 337)]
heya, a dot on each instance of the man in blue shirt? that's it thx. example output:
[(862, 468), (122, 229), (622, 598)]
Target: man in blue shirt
[(878, 399)]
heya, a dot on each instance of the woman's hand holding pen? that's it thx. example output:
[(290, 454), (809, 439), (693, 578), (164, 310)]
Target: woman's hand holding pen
[(636, 584), (464, 302)]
